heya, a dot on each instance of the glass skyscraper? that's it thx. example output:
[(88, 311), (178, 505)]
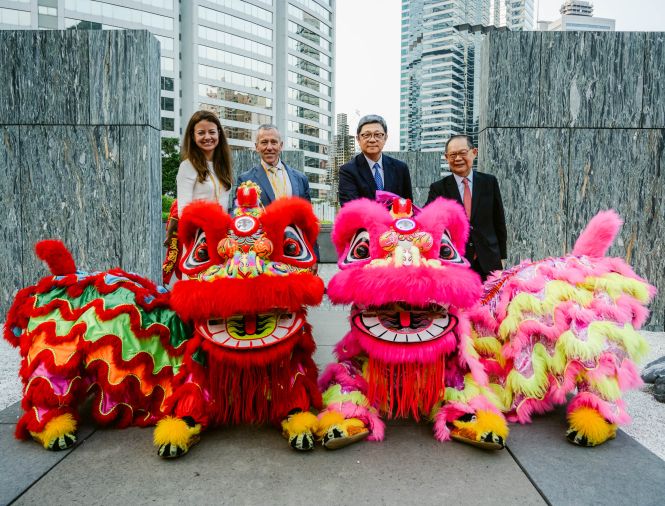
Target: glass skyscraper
[(249, 61), (440, 65)]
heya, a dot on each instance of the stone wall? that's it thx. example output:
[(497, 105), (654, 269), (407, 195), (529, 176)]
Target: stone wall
[(79, 151), (572, 123), (424, 167)]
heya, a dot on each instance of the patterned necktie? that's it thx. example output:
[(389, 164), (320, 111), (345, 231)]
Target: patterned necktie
[(467, 197), (377, 177)]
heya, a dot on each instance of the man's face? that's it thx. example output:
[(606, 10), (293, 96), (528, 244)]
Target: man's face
[(460, 157), (269, 146), (372, 138)]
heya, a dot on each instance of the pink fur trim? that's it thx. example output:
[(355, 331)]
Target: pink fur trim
[(340, 373), (612, 412), (375, 286), (444, 214), (599, 234)]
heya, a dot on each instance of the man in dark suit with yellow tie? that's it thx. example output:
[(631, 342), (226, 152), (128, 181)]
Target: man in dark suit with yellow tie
[(371, 170), (479, 194)]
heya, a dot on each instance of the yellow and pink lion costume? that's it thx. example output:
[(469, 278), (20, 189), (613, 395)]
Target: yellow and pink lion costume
[(428, 340)]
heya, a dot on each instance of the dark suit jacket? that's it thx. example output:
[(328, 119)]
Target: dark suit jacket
[(488, 222), (356, 179), (299, 187)]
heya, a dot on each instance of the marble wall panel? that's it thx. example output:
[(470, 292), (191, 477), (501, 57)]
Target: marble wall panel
[(622, 169), (424, 168), (531, 166), (11, 267), (70, 187), (141, 229), (591, 79), (653, 104), (52, 77), (124, 78), (510, 79), (9, 97)]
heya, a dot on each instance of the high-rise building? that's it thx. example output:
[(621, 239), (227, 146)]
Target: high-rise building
[(577, 16), (249, 61), (440, 65), (342, 149)]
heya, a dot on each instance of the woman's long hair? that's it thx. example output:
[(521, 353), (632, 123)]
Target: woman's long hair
[(221, 158)]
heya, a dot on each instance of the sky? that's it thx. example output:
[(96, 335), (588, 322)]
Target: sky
[(368, 51)]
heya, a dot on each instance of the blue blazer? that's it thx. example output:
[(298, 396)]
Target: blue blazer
[(299, 183), (356, 179), (299, 187)]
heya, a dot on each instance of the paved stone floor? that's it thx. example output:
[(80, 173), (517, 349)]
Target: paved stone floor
[(249, 465)]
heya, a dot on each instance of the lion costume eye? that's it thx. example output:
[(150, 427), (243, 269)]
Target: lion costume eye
[(448, 252), (198, 256), (359, 248), (295, 247)]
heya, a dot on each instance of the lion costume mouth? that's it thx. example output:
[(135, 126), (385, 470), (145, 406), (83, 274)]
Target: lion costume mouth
[(403, 323), (252, 331)]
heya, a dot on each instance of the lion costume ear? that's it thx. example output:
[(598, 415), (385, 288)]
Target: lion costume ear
[(208, 217), (444, 214), (354, 216)]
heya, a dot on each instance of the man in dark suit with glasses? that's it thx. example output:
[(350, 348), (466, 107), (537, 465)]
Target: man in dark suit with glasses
[(371, 170), (479, 194)]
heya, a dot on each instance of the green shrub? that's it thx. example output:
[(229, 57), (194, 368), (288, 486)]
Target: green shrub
[(167, 200)]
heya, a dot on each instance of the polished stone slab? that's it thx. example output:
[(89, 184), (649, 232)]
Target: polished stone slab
[(9, 91), (619, 472), (71, 190), (11, 224), (52, 77), (140, 226), (255, 466), (590, 79), (653, 103), (531, 166), (124, 78), (621, 169), (510, 77)]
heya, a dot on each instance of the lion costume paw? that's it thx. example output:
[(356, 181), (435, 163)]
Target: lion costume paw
[(587, 427), (175, 436), (299, 429), (58, 434), (483, 429), (337, 432)]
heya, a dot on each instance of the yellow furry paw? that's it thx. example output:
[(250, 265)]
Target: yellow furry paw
[(587, 427), (299, 429), (58, 434), (344, 433), (175, 436), (484, 429)]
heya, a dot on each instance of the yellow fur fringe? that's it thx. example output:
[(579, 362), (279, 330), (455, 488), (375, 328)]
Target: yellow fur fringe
[(588, 422), (174, 431), (56, 427), (300, 423)]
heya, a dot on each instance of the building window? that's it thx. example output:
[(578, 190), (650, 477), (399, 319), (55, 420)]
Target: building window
[(167, 104), (233, 114), (239, 97), (220, 18), (235, 41), (235, 78), (226, 58), (14, 17), (168, 124), (167, 83)]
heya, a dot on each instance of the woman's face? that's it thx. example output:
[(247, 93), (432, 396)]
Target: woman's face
[(206, 137)]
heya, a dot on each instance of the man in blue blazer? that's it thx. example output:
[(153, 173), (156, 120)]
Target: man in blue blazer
[(371, 170), (275, 178)]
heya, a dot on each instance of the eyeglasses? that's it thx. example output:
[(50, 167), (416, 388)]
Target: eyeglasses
[(211, 133), (379, 136), (455, 154)]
